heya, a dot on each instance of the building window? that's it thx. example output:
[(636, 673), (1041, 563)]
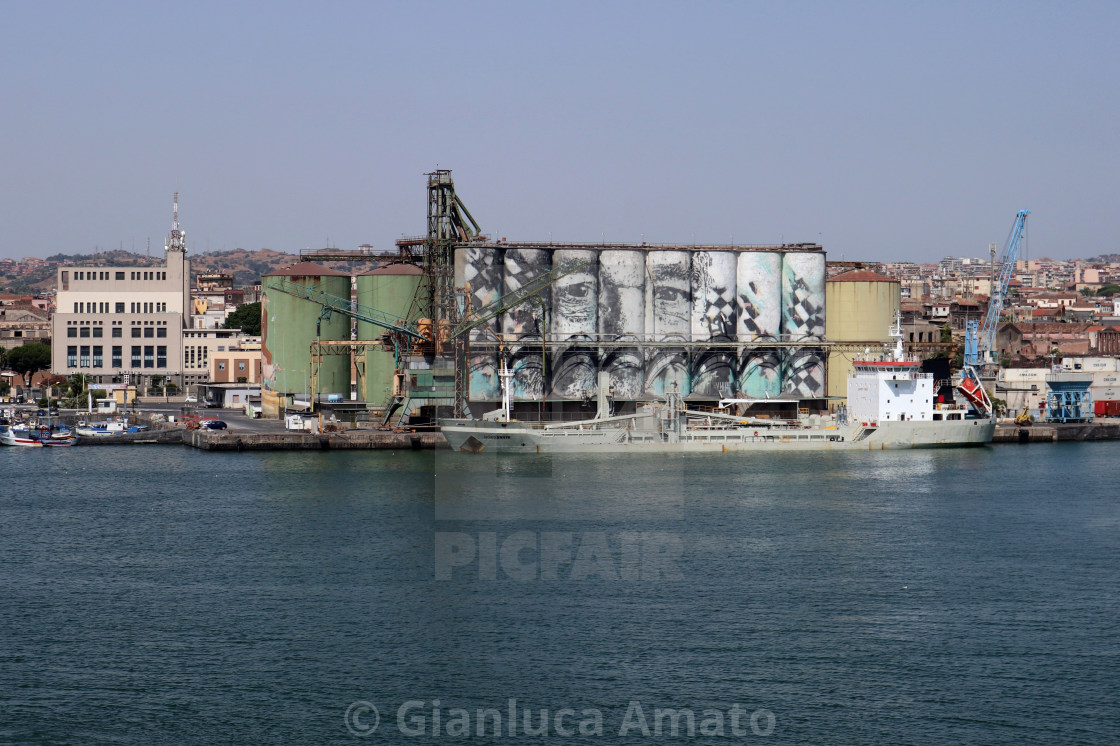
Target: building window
[(149, 356), (241, 365), (136, 331), (221, 365), (116, 356), (120, 275), (83, 358), (161, 332), (84, 332), (161, 356), (149, 331), (120, 307), (71, 357), (72, 331), (97, 331), (97, 356), (117, 331), (135, 356)]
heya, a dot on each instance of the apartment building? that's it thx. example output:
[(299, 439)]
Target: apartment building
[(220, 356)]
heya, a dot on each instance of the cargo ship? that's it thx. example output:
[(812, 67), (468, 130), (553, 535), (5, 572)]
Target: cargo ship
[(891, 405)]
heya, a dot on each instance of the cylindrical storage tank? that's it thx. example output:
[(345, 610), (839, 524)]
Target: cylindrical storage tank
[(803, 319), (759, 373), (803, 295), (803, 373), (758, 287), (668, 320), (759, 299), (575, 319), (862, 307), (713, 320), (520, 325), (391, 289), (622, 319), (288, 326), (481, 267)]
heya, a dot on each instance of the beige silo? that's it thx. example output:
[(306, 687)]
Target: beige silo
[(862, 306)]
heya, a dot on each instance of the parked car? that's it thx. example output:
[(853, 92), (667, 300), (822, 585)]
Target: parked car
[(213, 424), (191, 400)]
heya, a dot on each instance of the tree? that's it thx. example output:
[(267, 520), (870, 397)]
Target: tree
[(247, 318), (1106, 290), (29, 359), (946, 334)]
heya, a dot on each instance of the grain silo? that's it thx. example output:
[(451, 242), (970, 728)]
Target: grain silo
[(390, 289), (574, 324), (759, 317), (712, 370), (622, 319), (289, 324), (668, 320), (657, 319), (803, 320), (522, 326), (480, 268), (862, 306)]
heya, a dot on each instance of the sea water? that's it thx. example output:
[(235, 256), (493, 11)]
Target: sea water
[(161, 595)]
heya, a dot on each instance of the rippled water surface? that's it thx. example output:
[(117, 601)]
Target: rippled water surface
[(159, 595)]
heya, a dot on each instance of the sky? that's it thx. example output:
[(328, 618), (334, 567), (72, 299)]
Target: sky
[(894, 131)]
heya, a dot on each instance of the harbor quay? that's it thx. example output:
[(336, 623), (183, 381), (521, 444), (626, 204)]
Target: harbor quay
[(257, 435)]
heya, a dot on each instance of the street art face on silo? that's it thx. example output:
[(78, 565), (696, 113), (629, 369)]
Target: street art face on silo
[(524, 322), (622, 317), (668, 308), (481, 269), (713, 320), (575, 319), (759, 300), (803, 277)]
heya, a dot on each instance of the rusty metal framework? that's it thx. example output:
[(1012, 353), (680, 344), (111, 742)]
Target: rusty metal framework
[(323, 348)]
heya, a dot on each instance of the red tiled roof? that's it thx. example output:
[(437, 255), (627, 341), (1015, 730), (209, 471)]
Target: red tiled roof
[(862, 275)]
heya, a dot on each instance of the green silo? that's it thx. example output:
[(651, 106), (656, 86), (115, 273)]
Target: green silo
[(390, 289), (288, 327)]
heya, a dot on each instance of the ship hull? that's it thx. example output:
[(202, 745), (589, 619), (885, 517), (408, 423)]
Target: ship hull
[(473, 436)]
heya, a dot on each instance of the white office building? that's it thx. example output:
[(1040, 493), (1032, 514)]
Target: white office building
[(124, 324)]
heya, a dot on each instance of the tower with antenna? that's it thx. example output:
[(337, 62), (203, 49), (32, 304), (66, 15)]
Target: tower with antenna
[(177, 240)]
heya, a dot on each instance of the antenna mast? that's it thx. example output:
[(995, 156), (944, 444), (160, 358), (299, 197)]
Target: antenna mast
[(177, 240)]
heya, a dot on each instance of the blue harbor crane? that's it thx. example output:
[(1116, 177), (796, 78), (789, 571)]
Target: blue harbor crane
[(979, 343)]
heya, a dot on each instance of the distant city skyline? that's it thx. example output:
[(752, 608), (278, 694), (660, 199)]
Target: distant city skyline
[(883, 131)]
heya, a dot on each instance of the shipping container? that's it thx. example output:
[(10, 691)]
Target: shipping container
[(1106, 408)]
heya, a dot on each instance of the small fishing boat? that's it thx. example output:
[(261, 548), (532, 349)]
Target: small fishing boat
[(118, 426), (36, 438)]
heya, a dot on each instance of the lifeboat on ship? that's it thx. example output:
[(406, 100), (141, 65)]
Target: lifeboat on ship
[(971, 389)]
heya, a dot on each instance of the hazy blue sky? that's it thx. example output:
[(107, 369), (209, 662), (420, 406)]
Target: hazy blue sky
[(883, 130)]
